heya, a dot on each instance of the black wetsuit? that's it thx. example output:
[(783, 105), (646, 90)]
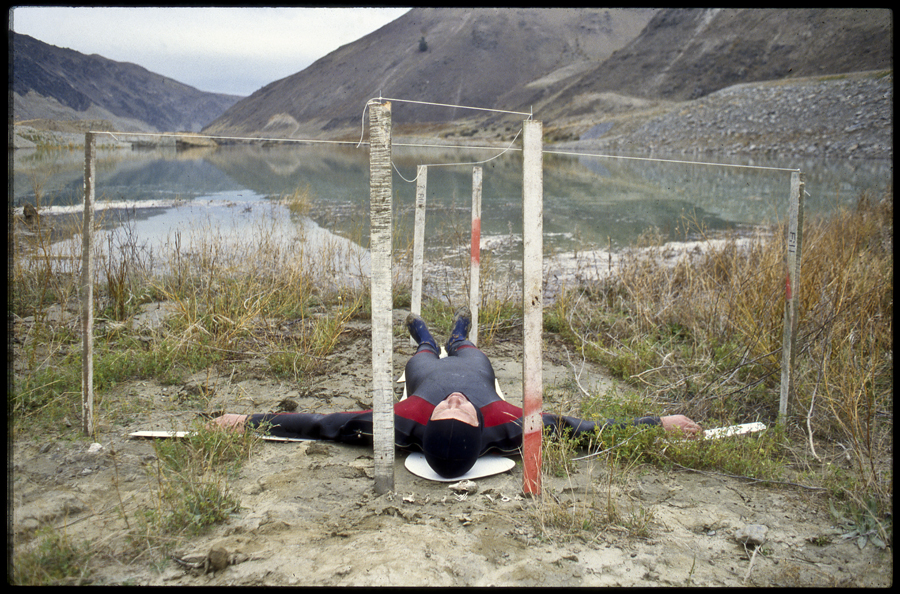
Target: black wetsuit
[(429, 380)]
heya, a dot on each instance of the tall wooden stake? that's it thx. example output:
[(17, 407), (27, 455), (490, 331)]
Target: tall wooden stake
[(533, 299), (474, 275), (419, 242), (87, 289), (792, 293), (380, 234)]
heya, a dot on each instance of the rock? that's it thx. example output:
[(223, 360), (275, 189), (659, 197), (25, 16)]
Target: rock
[(751, 534), (218, 559), (318, 449), (152, 315)]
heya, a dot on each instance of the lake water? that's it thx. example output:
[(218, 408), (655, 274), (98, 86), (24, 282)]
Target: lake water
[(589, 202)]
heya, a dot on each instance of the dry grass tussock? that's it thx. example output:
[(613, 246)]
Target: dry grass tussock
[(703, 338)]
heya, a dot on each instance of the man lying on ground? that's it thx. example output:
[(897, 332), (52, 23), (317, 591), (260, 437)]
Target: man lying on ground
[(453, 413)]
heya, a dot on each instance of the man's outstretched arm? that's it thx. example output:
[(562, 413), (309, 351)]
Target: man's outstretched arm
[(349, 427), (672, 423)]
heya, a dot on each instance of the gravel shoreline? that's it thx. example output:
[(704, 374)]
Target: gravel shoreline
[(847, 116)]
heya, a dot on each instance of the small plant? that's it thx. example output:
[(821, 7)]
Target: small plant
[(557, 452), (866, 524), (585, 508), (55, 560), (760, 456), (191, 476), (820, 540), (299, 202), (189, 505)]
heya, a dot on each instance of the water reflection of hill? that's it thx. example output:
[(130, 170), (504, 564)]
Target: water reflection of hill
[(278, 170), (589, 199), (121, 176), (752, 195)]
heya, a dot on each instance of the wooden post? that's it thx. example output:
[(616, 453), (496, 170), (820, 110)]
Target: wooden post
[(474, 276), (87, 289), (419, 243), (792, 293), (532, 299), (380, 189)]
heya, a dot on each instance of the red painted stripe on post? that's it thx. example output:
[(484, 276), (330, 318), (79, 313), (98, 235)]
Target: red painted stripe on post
[(476, 241), (532, 424), (531, 453)]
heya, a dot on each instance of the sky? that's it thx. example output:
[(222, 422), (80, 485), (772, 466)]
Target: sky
[(221, 50)]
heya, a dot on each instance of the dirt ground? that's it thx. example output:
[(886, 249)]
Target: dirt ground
[(309, 514)]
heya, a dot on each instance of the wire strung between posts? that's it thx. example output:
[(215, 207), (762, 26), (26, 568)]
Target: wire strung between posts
[(530, 115), (500, 154), (670, 161), (212, 137), (456, 146)]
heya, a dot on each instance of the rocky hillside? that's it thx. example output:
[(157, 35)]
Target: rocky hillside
[(53, 83), (567, 66)]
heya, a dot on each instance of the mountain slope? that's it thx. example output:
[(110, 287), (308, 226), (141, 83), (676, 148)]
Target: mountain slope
[(688, 53), (49, 82), (478, 57), (564, 64)]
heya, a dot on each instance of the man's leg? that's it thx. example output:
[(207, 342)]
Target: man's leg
[(462, 321), (418, 330), (458, 345), (427, 355)]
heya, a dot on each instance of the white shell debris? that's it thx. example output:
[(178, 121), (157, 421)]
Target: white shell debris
[(465, 486)]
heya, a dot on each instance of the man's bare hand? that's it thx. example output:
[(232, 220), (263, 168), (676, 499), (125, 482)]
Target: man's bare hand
[(230, 421), (680, 423)]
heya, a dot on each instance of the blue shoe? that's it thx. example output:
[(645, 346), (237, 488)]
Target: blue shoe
[(419, 331), (462, 321)]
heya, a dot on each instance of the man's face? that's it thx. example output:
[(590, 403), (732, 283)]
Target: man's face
[(456, 406)]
